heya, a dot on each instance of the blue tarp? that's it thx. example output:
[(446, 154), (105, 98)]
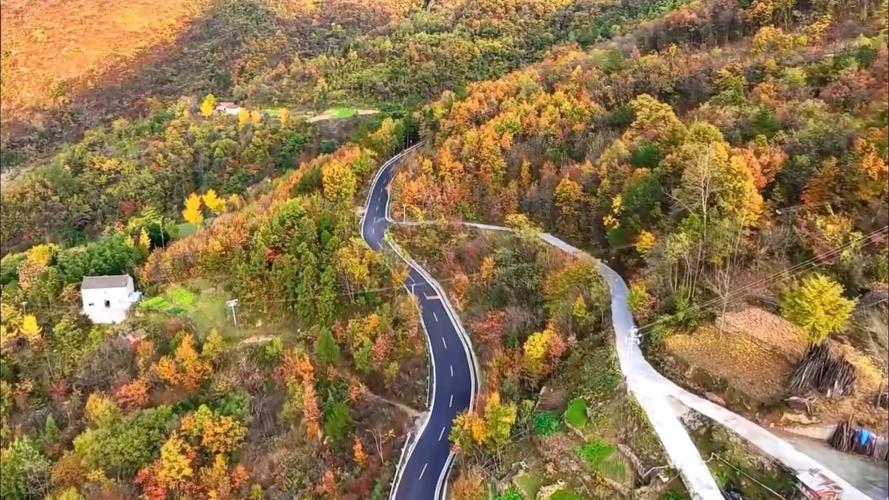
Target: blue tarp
[(863, 436)]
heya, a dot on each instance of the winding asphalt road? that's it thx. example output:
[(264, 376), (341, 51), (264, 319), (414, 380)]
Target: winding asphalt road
[(427, 460)]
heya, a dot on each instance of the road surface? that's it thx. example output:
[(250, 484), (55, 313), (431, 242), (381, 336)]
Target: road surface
[(424, 466)]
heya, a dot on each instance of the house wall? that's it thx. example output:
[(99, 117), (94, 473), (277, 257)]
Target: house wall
[(107, 305)]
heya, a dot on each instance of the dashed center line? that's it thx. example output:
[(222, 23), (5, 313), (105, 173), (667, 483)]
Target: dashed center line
[(451, 402), (452, 370), (423, 471), (441, 434), (443, 342), (435, 316)]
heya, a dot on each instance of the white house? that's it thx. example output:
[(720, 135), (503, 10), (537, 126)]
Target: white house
[(228, 108), (106, 299)]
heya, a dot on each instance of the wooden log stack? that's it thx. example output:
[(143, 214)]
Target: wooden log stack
[(819, 370)]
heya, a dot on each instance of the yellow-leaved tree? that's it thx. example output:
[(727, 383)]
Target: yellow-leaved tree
[(243, 116), (213, 202), (192, 211), (175, 464), (30, 330), (533, 357), (208, 105), (144, 239)]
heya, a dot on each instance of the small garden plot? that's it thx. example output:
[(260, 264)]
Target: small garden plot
[(528, 483), (576, 414), (603, 458), (176, 301), (737, 467), (564, 494), (202, 303), (546, 423)]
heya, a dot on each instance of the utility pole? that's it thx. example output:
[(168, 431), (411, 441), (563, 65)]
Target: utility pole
[(232, 303)]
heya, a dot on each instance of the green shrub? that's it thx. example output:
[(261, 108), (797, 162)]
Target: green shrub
[(594, 452), (576, 415), (545, 423), (510, 494), (125, 446)]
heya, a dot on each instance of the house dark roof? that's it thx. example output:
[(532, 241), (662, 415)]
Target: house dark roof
[(116, 281)]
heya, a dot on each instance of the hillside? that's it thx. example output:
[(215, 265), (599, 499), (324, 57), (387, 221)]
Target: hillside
[(728, 158), (69, 66)]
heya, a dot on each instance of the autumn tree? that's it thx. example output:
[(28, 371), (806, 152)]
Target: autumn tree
[(132, 395), (817, 305), (469, 485), (569, 201), (208, 105), (192, 209), (213, 202), (499, 419), (185, 367)]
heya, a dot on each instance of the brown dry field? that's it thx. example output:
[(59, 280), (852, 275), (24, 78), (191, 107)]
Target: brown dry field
[(45, 42), (756, 353)]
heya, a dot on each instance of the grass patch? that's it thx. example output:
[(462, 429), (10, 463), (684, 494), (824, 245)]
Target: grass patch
[(576, 415), (180, 296), (528, 484), (604, 372), (343, 112), (185, 229), (564, 495), (601, 457)]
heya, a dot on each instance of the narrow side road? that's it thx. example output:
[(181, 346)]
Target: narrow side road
[(425, 464)]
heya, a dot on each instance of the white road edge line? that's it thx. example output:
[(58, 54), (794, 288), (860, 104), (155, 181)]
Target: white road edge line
[(423, 471), (442, 485)]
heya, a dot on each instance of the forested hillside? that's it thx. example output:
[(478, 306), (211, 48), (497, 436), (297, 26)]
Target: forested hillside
[(71, 66), (688, 156), (720, 153)]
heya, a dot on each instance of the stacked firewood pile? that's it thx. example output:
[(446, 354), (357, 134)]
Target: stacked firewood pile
[(851, 439), (819, 370)]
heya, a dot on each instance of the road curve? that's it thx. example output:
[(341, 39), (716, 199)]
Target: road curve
[(657, 394), (425, 463), (653, 389)]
